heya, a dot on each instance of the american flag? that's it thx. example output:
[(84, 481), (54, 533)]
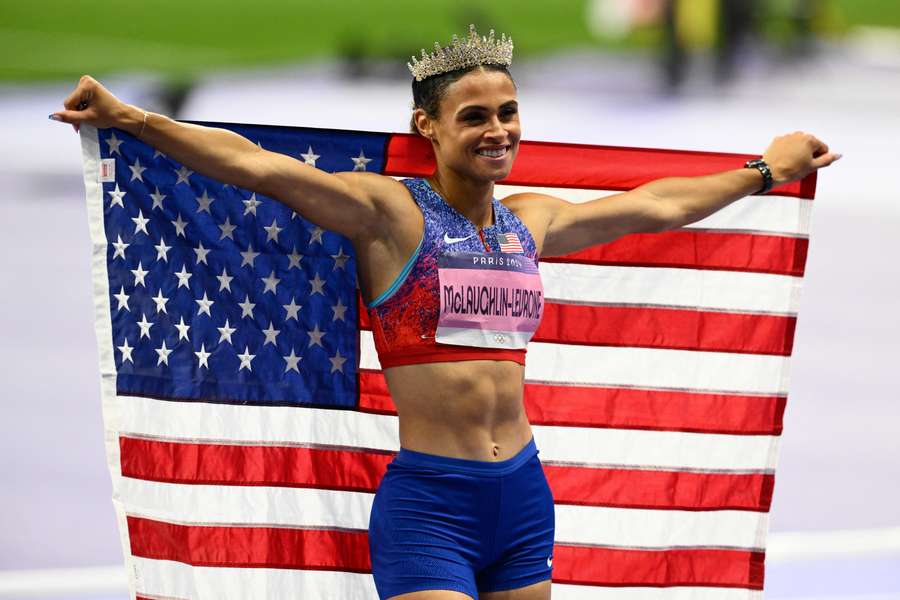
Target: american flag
[(248, 422), (509, 242)]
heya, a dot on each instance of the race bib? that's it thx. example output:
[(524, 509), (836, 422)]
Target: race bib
[(490, 300)]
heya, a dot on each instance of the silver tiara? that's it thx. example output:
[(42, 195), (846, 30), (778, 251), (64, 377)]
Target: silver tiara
[(476, 50)]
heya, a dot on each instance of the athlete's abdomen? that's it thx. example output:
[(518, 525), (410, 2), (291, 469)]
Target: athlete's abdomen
[(460, 409)]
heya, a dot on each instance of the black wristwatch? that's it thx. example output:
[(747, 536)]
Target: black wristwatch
[(766, 173)]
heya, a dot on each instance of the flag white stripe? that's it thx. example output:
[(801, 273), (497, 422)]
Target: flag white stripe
[(307, 507), (562, 591), (176, 580), (226, 423), (169, 579), (640, 367), (765, 214), (248, 505), (688, 288)]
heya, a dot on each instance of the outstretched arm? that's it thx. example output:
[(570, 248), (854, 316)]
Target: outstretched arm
[(348, 203), (666, 203)]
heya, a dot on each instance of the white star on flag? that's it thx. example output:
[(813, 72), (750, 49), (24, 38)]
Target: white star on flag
[(339, 309), (360, 162), (116, 196), (337, 362), (272, 231), (120, 246), (182, 328), (137, 170), (227, 229), (160, 301), (225, 332), (125, 349), (163, 353), (271, 335), (183, 174), (224, 280), (203, 203), (315, 336), (157, 199), (246, 307), (271, 283), (340, 259), (248, 256), (140, 222), (318, 285), (246, 357), (183, 277), (292, 310), (250, 204), (201, 253), (122, 297), (145, 326), (139, 275), (205, 304), (294, 259), (179, 226), (162, 251), (310, 157), (316, 235), (203, 356), (114, 144), (291, 361)]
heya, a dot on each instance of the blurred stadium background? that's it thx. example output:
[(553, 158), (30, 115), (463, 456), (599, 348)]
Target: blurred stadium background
[(724, 75)]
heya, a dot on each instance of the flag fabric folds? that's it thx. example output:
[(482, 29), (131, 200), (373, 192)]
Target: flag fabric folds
[(248, 422)]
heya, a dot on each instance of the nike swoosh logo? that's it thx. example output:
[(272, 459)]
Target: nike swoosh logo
[(549, 562), (451, 240)]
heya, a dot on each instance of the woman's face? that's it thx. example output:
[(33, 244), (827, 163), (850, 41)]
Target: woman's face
[(477, 133)]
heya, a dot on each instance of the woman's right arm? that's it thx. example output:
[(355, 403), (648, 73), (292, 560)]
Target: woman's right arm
[(348, 203)]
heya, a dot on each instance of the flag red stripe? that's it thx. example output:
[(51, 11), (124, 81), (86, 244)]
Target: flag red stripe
[(657, 327), (361, 471), (675, 490), (552, 164), (692, 249), (269, 547), (581, 565), (669, 328), (623, 408), (236, 464), (295, 548)]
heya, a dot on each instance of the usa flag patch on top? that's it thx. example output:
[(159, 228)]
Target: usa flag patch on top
[(509, 242)]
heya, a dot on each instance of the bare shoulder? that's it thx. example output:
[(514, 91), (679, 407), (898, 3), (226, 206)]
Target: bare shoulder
[(536, 211), (530, 201)]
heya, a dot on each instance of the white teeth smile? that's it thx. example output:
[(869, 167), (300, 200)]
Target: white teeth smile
[(492, 153)]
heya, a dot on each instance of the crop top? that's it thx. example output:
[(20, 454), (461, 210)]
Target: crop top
[(464, 294)]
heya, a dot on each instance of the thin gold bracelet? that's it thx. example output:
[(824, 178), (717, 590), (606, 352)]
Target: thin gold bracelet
[(144, 124)]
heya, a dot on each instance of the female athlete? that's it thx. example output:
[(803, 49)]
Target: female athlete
[(464, 509)]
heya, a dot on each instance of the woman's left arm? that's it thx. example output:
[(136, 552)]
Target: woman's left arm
[(670, 202)]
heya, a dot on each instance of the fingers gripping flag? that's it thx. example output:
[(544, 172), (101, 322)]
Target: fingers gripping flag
[(249, 424)]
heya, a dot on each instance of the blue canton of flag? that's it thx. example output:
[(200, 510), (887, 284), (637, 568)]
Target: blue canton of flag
[(223, 295)]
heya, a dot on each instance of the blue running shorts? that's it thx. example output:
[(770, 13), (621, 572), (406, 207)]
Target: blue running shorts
[(443, 523)]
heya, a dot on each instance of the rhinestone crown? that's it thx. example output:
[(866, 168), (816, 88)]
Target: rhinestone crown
[(475, 50)]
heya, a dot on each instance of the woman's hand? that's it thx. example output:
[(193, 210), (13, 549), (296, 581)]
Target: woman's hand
[(93, 104), (796, 155)]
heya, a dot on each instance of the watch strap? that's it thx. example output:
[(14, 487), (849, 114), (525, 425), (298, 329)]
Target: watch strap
[(763, 168)]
